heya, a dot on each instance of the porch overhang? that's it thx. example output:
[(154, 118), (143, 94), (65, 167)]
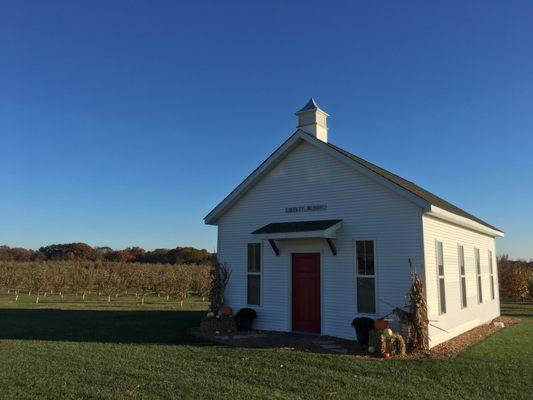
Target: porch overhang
[(299, 230), (325, 229)]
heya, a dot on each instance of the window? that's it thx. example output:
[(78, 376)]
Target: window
[(478, 274), (254, 274), (440, 273), (462, 275), (366, 278), (491, 270)]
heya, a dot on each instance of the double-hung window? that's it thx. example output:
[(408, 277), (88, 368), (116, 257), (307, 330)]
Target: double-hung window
[(254, 274), (366, 277), (478, 276), (440, 273), (462, 275), (491, 270)]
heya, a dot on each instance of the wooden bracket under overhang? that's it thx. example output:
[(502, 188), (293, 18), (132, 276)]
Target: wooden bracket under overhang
[(332, 246), (274, 246)]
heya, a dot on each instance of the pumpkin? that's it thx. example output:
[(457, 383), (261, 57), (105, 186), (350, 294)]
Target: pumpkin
[(226, 310), (388, 332), (385, 355), (380, 324), (371, 349)]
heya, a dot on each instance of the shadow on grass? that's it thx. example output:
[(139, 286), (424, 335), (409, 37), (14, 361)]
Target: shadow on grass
[(156, 327)]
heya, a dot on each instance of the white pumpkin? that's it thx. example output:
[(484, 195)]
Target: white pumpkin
[(371, 349)]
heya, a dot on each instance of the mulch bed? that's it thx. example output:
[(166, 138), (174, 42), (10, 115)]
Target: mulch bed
[(285, 341), (458, 344), (282, 341)]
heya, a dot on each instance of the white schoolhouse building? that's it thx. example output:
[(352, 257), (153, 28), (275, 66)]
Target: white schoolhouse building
[(317, 236)]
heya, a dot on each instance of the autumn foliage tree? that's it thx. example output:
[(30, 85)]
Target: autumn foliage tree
[(513, 277), (181, 280), (59, 279), (36, 280), (112, 282), (143, 282), (84, 252), (202, 280)]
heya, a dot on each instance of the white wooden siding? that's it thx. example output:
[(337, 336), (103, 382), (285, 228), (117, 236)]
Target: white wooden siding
[(457, 320), (369, 210)]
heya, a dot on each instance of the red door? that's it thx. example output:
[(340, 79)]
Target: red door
[(306, 292)]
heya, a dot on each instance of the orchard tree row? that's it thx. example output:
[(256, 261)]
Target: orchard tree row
[(111, 279), (84, 252)]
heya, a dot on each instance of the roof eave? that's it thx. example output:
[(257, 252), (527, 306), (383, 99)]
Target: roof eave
[(448, 216)]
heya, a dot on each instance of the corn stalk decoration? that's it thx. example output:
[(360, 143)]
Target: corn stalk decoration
[(220, 275), (418, 337)]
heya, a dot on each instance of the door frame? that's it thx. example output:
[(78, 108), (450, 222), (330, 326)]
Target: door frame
[(304, 250)]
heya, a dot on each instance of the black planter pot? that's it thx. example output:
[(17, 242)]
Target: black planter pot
[(362, 327), (244, 324)]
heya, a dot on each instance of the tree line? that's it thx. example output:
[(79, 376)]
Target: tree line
[(84, 252), (112, 279), (515, 278)]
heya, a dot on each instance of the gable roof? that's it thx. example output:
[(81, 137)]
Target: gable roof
[(413, 188), (404, 187)]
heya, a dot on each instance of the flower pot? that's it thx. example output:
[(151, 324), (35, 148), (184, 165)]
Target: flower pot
[(381, 324), (226, 311), (362, 327), (244, 324)]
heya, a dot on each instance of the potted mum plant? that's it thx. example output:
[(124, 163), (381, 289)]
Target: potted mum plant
[(245, 318)]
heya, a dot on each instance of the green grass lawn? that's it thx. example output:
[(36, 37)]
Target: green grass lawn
[(93, 350)]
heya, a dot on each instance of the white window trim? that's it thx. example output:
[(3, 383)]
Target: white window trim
[(479, 283), (357, 275), (462, 275), (260, 273), (439, 276), (491, 274)]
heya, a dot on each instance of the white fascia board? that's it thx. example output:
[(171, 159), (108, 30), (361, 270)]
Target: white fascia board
[(367, 172), (254, 177), (463, 221)]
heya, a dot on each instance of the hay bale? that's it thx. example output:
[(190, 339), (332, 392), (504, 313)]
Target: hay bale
[(212, 326), (383, 343), (377, 340), (397, 345)]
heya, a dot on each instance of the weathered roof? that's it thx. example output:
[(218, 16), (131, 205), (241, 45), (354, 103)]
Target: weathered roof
[(298, 226), (411, 187), (311, 105)]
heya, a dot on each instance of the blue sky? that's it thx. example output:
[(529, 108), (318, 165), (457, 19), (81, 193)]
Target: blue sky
[(124, 122)]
